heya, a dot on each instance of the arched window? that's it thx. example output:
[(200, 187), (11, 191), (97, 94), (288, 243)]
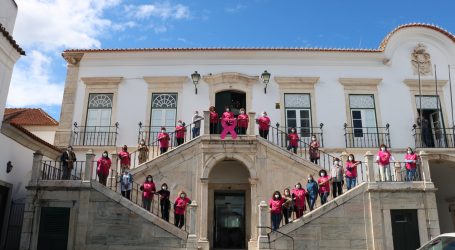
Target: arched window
[(164, 112)]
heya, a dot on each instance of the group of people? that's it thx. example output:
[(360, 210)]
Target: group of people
[(296, 200)]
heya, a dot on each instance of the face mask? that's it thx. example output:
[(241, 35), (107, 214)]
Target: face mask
[(196, 113), (293, 131), (336, 162), (182, 196), (69, 149), (105, 155), (149, 179), (277, 196), (180, 124), (382, 149), (322, 174), (309, 179), (227, 110), (142, 143), (263, 115), (164, 187), (298, 186), (313, 139), (409, 152), (350, 158), (242, 112), (286, 193)]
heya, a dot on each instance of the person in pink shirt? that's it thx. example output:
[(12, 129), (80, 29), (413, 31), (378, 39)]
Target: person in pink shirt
[(103, 166), (242, 122), (213, 120), (264, 124), (351, 172), (180, 132), (148, 189), (324, 186), (314, 150), (293, 139), (383, 159), (276, 209), (298, 196), (228, 115), (163, 139), (411, 159), (180, 205), (125, 158)]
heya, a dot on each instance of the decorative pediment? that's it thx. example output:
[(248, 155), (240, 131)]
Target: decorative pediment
[(360, 83), (230, 77), (296, 82), (426, 84), (163, 82), (101, 81)]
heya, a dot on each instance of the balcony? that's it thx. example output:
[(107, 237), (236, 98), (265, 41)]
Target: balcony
[(366, 137), (94, 135), (434, 137)]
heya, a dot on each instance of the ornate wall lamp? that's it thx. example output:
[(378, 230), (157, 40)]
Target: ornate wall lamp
[(195, 77), (265, 76)]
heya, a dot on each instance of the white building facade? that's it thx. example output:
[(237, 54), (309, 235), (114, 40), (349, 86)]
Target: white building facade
[(353, 100)]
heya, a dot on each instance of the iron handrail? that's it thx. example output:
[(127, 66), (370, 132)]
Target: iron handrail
[(268, 234)]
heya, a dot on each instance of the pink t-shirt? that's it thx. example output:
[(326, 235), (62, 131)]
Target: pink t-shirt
[(276, 205)]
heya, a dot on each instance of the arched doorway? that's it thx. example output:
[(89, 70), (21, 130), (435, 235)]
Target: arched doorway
[(442, 173), (229, 203), (233, 99)]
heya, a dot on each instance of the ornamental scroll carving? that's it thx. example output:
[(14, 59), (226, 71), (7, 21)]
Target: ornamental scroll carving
[(421, 60)]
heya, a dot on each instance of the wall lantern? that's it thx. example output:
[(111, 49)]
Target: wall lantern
[(265, 79), (195, 77)]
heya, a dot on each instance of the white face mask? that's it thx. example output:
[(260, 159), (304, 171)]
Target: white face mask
[(196, 113), (350, 158), (162, 131), (180, 124), (263, 115), (293, 130), (309, 179), (313, 139), (322, 174), (382, 149), (277, 196), (298, 186), (242, 112), (227, 110), (105, 155), (182, 196), (164, 187), (336, 162), (149, 179), (409, 152)]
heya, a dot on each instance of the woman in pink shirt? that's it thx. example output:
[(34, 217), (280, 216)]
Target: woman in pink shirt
[(324, 186), (179, 209), (276, 209), (264, 124), (180, 132), (125, 158), (298, 196), (383, 159), (293, 138), (242, 122), (411, 159), (213, 120), (163, 139), (351, 172)]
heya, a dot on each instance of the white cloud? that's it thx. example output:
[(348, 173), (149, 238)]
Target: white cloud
[(237, 8), (53, 24), (30, 84), (163, 11)]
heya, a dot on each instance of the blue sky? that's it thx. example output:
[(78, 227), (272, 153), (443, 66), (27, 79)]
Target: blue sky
[(46, 28)]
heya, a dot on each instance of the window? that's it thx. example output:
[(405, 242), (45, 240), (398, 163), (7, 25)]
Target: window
[(433, 132), (298, 113), (164, 112), (98, 124), (363, 115)]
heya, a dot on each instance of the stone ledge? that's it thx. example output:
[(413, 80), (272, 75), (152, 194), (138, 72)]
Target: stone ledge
[(140, 211), (58, 185), (401, 186)]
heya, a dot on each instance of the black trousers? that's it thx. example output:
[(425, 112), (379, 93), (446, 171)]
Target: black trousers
[(102, 179), (336, 188), (213, 127), (179, 220), (241, 131), (180, 141), (127, 194), (163, 150), (263, 133), (165, 205)]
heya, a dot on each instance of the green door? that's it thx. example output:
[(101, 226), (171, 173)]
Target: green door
[(53, 228), (405, 229)]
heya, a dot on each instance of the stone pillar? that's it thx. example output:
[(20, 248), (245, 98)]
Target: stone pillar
[(344, 157), (36, 168), (63, 133), (254, 220), (88, 172), (192, 224), (252, 123), (115, 166), (371, 173), (263, 239), (424, 167), (398, 170), (206, 123), (203, 212)]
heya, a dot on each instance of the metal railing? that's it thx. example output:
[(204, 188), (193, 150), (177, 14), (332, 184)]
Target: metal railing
[(305, 133), (153, 144), (398, 172), (276, 231), (434, 138), (304, 150), (366, 137), (113, 183), (94, 135), (54, 170)]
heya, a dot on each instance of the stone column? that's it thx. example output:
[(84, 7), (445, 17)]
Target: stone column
[(88, 172), (203, 212), (253, 200), (371, 176), (36, 168), (192, 224), (344, 157), (398, 172), (252, 123), (206, 123), (63, 133), (424, 167), (263, 239), (116, 167)]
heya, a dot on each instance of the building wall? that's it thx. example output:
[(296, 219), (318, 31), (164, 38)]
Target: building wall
[(46, 133), (392, 67), (8, 13), (442, 173)]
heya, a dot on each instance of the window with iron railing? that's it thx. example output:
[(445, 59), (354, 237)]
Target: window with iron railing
[(298, 113)]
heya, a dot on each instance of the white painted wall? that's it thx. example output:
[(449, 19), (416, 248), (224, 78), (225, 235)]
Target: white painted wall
[(442, 174), (46, 133), (394, 100), (8, 13)]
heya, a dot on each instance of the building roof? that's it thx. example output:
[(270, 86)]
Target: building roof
[(28, 117), (363, 50), (9, 37), (34, 137)]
